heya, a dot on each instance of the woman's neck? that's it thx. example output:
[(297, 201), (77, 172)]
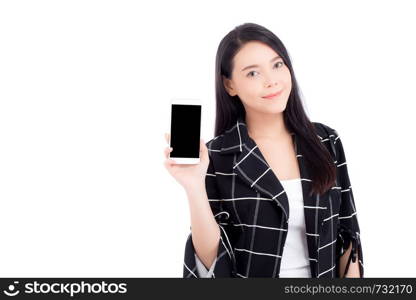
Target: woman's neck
[(266, 127)]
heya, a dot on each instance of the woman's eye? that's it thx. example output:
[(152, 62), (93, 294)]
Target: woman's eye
[(250, 74), (279, 62)]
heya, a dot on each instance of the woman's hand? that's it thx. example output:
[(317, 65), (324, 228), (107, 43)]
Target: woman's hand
[(189, 176)]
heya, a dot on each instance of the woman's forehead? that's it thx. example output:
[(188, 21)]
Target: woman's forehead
[(254, 53)]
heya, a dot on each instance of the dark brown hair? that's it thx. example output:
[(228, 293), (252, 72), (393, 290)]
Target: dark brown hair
[(228, 109)]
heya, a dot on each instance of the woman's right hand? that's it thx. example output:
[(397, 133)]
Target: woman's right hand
[(189, 176)]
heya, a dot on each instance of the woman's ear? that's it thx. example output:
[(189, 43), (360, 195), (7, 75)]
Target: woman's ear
[(228, 85)]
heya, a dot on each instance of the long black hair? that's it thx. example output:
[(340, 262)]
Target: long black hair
[(229, 108)]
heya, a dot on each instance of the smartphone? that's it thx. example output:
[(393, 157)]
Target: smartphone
[(185, 130)]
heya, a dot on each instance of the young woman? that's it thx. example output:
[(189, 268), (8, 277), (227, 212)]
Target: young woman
[(271, 196)]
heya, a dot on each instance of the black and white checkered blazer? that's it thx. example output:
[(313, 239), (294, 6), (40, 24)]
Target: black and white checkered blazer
[(252, 210)]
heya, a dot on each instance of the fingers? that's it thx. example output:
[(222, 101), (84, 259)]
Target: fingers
[(167, 151), (168, 162)]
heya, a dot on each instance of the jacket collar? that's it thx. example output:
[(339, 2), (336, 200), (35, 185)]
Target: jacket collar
[(260, 177)]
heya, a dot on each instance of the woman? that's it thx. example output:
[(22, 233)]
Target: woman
[(271, 196)]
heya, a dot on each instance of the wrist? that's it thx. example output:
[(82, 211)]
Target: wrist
[(195, 189)]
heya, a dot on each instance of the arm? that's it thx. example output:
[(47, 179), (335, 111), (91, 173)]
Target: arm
[(349, 250), (212, 234), (205, 230), (353, 269)]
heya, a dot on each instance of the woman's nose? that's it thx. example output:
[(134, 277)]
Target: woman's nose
[(270, 80)]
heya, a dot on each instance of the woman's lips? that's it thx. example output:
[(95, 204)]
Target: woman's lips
[(273, 95)]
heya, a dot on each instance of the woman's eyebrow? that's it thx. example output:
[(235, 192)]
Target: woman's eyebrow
[(254, 66)]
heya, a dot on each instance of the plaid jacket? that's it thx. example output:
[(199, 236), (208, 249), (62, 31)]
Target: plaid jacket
[(251, 208)]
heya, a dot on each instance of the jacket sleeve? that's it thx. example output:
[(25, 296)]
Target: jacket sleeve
[(348, 228), (224, 264)]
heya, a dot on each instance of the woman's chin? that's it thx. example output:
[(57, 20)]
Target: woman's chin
[(274, 108)]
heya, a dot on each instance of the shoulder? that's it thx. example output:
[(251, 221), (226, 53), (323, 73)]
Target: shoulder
[(214, 144), (324, 130), (329, 137)]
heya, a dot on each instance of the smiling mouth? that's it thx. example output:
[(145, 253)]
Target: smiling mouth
[(273, 95)]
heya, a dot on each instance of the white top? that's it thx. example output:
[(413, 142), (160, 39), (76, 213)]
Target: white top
[(295, 258)]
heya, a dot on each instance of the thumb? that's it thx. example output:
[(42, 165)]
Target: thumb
[(202, 147), (203, 150)]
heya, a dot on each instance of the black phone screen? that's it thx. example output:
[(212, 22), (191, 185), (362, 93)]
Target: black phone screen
[(185, 130)]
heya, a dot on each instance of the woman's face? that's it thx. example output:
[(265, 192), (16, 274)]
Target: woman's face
[(252, 83)]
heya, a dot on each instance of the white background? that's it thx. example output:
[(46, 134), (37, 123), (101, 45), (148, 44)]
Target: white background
[(84, 104)]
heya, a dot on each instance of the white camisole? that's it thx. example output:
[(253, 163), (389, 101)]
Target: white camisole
[(295, 258)]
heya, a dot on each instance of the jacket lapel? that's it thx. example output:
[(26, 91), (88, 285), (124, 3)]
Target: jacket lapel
[(252, 168)]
